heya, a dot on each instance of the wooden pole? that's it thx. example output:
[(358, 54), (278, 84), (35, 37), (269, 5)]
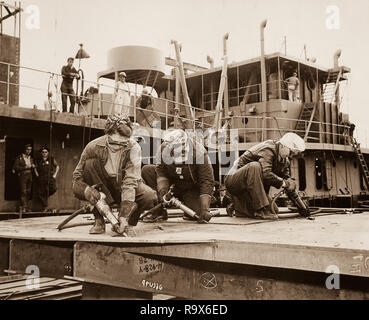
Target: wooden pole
[(189, 112)]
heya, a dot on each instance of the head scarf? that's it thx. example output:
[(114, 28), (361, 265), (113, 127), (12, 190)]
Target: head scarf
[(119, 121)]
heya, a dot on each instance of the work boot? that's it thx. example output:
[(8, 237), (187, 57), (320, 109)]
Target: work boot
[(130, 231), (265, 214), (99, 225), (189, 218), (230, 210), (156, 214)]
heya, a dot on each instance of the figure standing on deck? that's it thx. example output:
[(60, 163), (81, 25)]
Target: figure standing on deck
[(293, 87), (122, 100), (47, 171), (260, 167), (184, 162), (113, 163), (144, 114), (69, 73), (23, 167)]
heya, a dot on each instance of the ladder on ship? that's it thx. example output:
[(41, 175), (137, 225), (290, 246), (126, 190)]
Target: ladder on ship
[(331, 85), (363, 164), (306, 122), (309, 110)]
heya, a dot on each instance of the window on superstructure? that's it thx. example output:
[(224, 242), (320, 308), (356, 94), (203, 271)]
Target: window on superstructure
[(233, 88), (302, 173), (318, 173)]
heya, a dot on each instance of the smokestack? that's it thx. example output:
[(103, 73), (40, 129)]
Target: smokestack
[(210, 60), (336, 56), (263, 73)]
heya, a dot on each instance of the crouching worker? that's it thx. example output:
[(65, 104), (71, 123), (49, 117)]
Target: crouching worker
[(262, 166), (184, 163), (113, 162)]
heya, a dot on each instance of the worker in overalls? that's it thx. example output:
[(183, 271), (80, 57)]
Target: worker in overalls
[(293, 87), (259, 168), (69, 73), (47, 171), (184, 162), (113, 163), (23, 167)]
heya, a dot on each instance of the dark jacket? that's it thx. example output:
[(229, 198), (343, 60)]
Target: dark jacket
[(20, 164), (188, 175), (275, 169), (129, 174), (67, 78)]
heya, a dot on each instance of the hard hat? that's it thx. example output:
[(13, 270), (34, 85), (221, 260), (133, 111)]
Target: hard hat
[(293, 142), (177, 144), (123, 74)]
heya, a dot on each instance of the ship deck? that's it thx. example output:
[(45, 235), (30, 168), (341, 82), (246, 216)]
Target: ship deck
[(277, 253)]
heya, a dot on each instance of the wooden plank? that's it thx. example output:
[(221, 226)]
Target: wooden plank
[(192, 279), (59, 294), (52, 259), (42, 282)]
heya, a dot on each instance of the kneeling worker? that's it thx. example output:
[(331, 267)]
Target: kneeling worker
[(262, 166), (184, 162), (113, 162)]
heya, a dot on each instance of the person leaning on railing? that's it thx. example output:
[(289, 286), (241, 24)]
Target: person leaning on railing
[(69, 73), (145, 114)]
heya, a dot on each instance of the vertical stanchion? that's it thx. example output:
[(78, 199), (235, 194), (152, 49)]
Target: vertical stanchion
[(166, 114), (8, 87)]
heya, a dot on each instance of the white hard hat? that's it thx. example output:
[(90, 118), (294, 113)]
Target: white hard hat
[(293, 142)]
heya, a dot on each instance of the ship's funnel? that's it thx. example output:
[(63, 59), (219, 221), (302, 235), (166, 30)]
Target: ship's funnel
[(210, 60), (336, 56)]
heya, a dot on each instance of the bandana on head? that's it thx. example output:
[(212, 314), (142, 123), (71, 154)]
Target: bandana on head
[(117, 120), (114, 121)]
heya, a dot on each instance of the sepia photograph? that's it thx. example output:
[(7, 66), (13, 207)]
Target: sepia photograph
[(184, 154)]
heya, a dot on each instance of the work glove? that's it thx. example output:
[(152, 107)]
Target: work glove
[(162, 187), (92, 195), (205, 214), (289, 184), (127, 215)]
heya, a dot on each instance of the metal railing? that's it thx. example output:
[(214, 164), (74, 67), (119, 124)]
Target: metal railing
[(50, 82), (255, 130), (259, 128)]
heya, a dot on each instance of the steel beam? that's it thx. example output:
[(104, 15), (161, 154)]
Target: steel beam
[(194, 279), (187, 66), (93, 291), (52, 259), (304, 258)]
